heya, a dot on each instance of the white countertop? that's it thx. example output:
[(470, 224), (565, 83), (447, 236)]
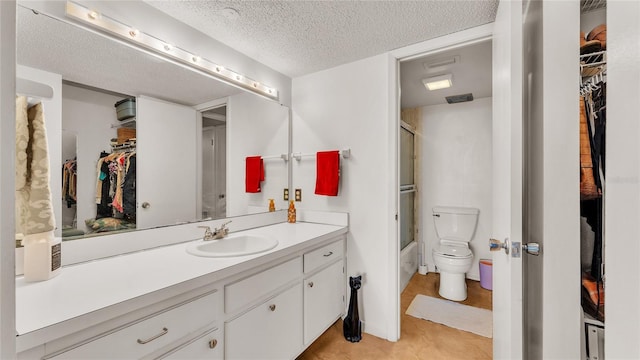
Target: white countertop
[(84, 288)]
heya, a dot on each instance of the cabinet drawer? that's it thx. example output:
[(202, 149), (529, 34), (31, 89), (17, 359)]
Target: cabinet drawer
[(323, 255), (205, 346), (149, 334), (242, 293), (272, 330)]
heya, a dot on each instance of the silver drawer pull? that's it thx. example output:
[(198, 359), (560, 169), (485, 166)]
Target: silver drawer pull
[(310, 284), (329, 254), (272, 307), (213, 343), (164, 332)]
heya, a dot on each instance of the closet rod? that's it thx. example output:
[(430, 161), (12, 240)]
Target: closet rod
[(123, 146), (589, 85), (345, 153)]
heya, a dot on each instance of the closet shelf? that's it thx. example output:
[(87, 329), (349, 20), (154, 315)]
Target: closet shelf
[(129, 123), (593, 60)]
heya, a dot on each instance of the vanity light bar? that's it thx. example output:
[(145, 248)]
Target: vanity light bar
[(166, 49)]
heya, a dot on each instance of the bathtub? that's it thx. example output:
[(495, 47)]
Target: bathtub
[(408, 264)]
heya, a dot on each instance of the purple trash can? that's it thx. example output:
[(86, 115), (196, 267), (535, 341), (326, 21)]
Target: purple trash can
[(486, 274)]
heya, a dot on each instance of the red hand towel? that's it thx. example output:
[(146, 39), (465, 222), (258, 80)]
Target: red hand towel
[(327, 172), (254, 174)]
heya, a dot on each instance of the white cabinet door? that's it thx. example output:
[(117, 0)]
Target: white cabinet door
[(323, 300), (272, 330), (206, 346), (166, 167)]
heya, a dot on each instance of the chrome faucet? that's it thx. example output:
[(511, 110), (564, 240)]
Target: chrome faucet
[(217, 233)]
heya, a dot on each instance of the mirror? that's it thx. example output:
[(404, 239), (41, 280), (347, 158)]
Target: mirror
[(189, 138)]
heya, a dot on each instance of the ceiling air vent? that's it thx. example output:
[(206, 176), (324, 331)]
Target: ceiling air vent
[(459, 98)]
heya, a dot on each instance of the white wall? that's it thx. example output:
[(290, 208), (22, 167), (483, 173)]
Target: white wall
[(53, 121), (348, 107), (590, 20), (89, 114), (455, 165), (256, 126)]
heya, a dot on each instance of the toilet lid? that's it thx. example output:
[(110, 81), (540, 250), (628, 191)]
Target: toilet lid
[(453, 251)]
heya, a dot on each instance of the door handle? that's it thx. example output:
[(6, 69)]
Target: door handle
[(531, 248), (496, 245)]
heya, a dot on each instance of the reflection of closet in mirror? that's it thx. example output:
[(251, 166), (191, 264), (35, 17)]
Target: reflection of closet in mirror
[(89, 114), (69, 181), (214, 179)]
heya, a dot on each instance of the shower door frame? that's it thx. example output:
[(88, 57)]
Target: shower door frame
[(408, 188)]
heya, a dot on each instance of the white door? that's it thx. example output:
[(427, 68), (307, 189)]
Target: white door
[(220, 171), (507, 179), (166, 166), (536, 180), (551, 287)]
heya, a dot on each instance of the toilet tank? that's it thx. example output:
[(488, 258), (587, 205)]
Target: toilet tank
[(455, 223)]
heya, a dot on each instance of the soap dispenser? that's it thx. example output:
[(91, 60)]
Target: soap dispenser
[(291, 215)]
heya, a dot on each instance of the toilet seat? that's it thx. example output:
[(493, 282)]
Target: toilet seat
[(454, 251)]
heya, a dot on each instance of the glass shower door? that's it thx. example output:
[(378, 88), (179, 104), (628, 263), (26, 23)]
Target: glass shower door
[(407, 186)]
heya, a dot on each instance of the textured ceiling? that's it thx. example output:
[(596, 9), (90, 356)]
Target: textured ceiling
[(86, 58), (301, 37), (471, 74)]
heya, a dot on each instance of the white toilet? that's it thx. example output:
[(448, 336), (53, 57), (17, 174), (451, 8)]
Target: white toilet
[(453, 257)]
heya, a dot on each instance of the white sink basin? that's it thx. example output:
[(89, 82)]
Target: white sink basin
[(232, 245)]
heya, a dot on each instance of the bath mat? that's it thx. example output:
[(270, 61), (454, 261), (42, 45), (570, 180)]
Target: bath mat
[(452, 314)]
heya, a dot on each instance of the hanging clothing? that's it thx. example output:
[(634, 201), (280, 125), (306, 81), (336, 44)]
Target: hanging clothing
[(115, 186), (593, 107), (69, 182), (129, 189)]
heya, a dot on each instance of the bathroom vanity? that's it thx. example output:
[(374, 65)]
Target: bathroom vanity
[(166, 303)]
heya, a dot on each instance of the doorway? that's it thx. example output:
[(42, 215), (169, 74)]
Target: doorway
[(214, 154), (450, 129)]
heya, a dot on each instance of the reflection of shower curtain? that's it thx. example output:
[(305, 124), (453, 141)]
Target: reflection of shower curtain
[(33, 196)]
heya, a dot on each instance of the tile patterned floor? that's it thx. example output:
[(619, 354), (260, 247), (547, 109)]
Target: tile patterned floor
[(420, 339)]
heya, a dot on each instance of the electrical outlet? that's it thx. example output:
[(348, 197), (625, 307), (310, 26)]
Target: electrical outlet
[(298, 194), (285, 195)]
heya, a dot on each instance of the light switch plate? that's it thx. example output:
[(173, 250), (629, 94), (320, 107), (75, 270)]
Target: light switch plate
[(285, 195), (298, 194)]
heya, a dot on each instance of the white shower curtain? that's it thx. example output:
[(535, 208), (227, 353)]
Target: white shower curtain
[(34, 211)]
